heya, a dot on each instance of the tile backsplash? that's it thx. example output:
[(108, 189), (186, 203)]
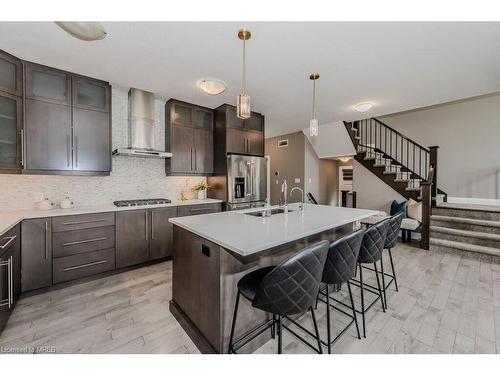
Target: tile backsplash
[(131, 178)]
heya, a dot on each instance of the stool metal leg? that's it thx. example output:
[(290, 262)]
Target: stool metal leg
[(379, 287), (273, 327), (233, 325), (393, 272), (353, 311), (328, 328), (280, 335), (362, 299), (383, 279), (316, 331)]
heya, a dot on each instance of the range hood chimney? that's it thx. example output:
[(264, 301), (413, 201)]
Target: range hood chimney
[(141, 127)]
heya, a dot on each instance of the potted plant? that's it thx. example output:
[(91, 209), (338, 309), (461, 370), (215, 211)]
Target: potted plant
[(201, 187)]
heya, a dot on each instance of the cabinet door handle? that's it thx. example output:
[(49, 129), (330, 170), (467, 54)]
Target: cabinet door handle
[(21, 133), (152, 225), (11, 282), (191, 158), (68, 150), (199, 209), (46, 240), (12, 238), (195, 164), (8, 301), (84, 241), (84, 265), (76, 150), (146, 222), (83, 222)]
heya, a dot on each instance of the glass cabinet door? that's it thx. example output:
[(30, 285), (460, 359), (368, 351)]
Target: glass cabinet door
[(88, 94), (47, 84), (255, 122), (203, 119), (232, 120), (10, 74), (9, 132), (182, 114)]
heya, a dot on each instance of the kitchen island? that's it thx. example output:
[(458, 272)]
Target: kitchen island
[(212, 252)]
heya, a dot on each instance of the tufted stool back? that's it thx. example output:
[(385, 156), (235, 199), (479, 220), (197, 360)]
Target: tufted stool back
[(393, 231), (292, 287), (342, 258), (373, 242)]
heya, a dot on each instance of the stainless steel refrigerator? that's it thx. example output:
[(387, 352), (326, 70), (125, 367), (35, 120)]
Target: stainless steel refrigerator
[(245, 182)]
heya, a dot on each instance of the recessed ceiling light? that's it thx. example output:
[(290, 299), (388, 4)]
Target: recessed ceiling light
[(87, 31), (212, 86), (345, 160), (363, 107)]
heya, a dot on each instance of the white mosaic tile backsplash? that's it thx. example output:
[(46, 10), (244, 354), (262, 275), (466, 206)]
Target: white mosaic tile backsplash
[(131, 178)]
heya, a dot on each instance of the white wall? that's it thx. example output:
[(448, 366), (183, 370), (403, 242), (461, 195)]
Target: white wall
[(468, 134), (131, 178), (332, 141), (371, 192)]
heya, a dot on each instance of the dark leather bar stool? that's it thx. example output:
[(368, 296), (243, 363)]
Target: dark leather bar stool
[(287, 289), (339, 268), (390, 242), (370, 252)]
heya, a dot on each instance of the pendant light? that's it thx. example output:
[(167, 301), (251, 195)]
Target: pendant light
[(243, 100), (313, 124)]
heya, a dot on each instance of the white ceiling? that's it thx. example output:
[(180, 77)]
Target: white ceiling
[(397, 66)]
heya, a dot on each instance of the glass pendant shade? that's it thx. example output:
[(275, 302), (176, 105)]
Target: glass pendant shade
[(243, 106), (313, 128)]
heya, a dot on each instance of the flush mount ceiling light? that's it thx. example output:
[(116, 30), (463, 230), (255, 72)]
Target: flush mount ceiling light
[(87, 31), (345, 160), (363, 107), (243, 101), (313, 124), (212, 86)]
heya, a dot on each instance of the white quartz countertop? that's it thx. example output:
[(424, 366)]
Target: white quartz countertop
[(9, 219), (246, 234)]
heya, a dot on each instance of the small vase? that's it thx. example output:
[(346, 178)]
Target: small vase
[(202, 194)]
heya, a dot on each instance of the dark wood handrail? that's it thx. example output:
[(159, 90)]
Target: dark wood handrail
[(401, 135)]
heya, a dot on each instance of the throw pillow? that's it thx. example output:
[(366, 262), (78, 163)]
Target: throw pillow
[(415, 210), (397, 208)]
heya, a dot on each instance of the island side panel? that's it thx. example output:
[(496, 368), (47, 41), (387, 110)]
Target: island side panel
[(233, 267), (196, 284)]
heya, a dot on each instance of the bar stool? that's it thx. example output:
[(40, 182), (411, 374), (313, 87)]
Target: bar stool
[(370, 252), (390, 242), (339, 268), (287, 289)]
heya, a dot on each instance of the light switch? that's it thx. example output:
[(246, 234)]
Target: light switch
[(310, 180), (297, 180)]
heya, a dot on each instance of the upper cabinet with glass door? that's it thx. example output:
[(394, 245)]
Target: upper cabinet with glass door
[(91, 94), (47, 84), (11, 74)]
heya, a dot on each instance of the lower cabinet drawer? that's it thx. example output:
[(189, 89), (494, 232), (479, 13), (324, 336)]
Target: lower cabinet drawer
[(82, 265), (199, 209), (82, 241), (84, 221)]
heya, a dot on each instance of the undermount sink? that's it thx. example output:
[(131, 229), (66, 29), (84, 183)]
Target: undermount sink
[(269, 212)]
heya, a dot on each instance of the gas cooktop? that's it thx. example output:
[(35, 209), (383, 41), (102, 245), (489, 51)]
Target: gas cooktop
[(141, 202)]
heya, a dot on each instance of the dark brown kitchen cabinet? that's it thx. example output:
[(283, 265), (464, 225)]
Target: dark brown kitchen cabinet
[(48, 136), (132, 237), (36, 253), (91, 94), (11, 74), (91, 140), (189, 136), (47, 84), (11, 114), (161, 243), (10, 273), (67, 124), (235, 135)]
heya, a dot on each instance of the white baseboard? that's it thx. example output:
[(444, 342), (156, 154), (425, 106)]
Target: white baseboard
[(481, 201)]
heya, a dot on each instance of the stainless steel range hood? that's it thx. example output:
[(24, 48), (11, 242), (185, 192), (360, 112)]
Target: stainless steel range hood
[(141, 127)]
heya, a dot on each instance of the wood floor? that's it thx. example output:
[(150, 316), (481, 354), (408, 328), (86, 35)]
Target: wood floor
[(446, 304)]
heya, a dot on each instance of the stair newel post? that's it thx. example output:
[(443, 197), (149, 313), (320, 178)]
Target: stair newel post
[(426, 213), (433, 160)]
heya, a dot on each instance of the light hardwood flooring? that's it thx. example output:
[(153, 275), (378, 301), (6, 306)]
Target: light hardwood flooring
[(446, 304)]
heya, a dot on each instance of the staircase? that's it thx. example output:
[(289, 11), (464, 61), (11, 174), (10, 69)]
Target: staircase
[(397, 160), (466, 229)]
